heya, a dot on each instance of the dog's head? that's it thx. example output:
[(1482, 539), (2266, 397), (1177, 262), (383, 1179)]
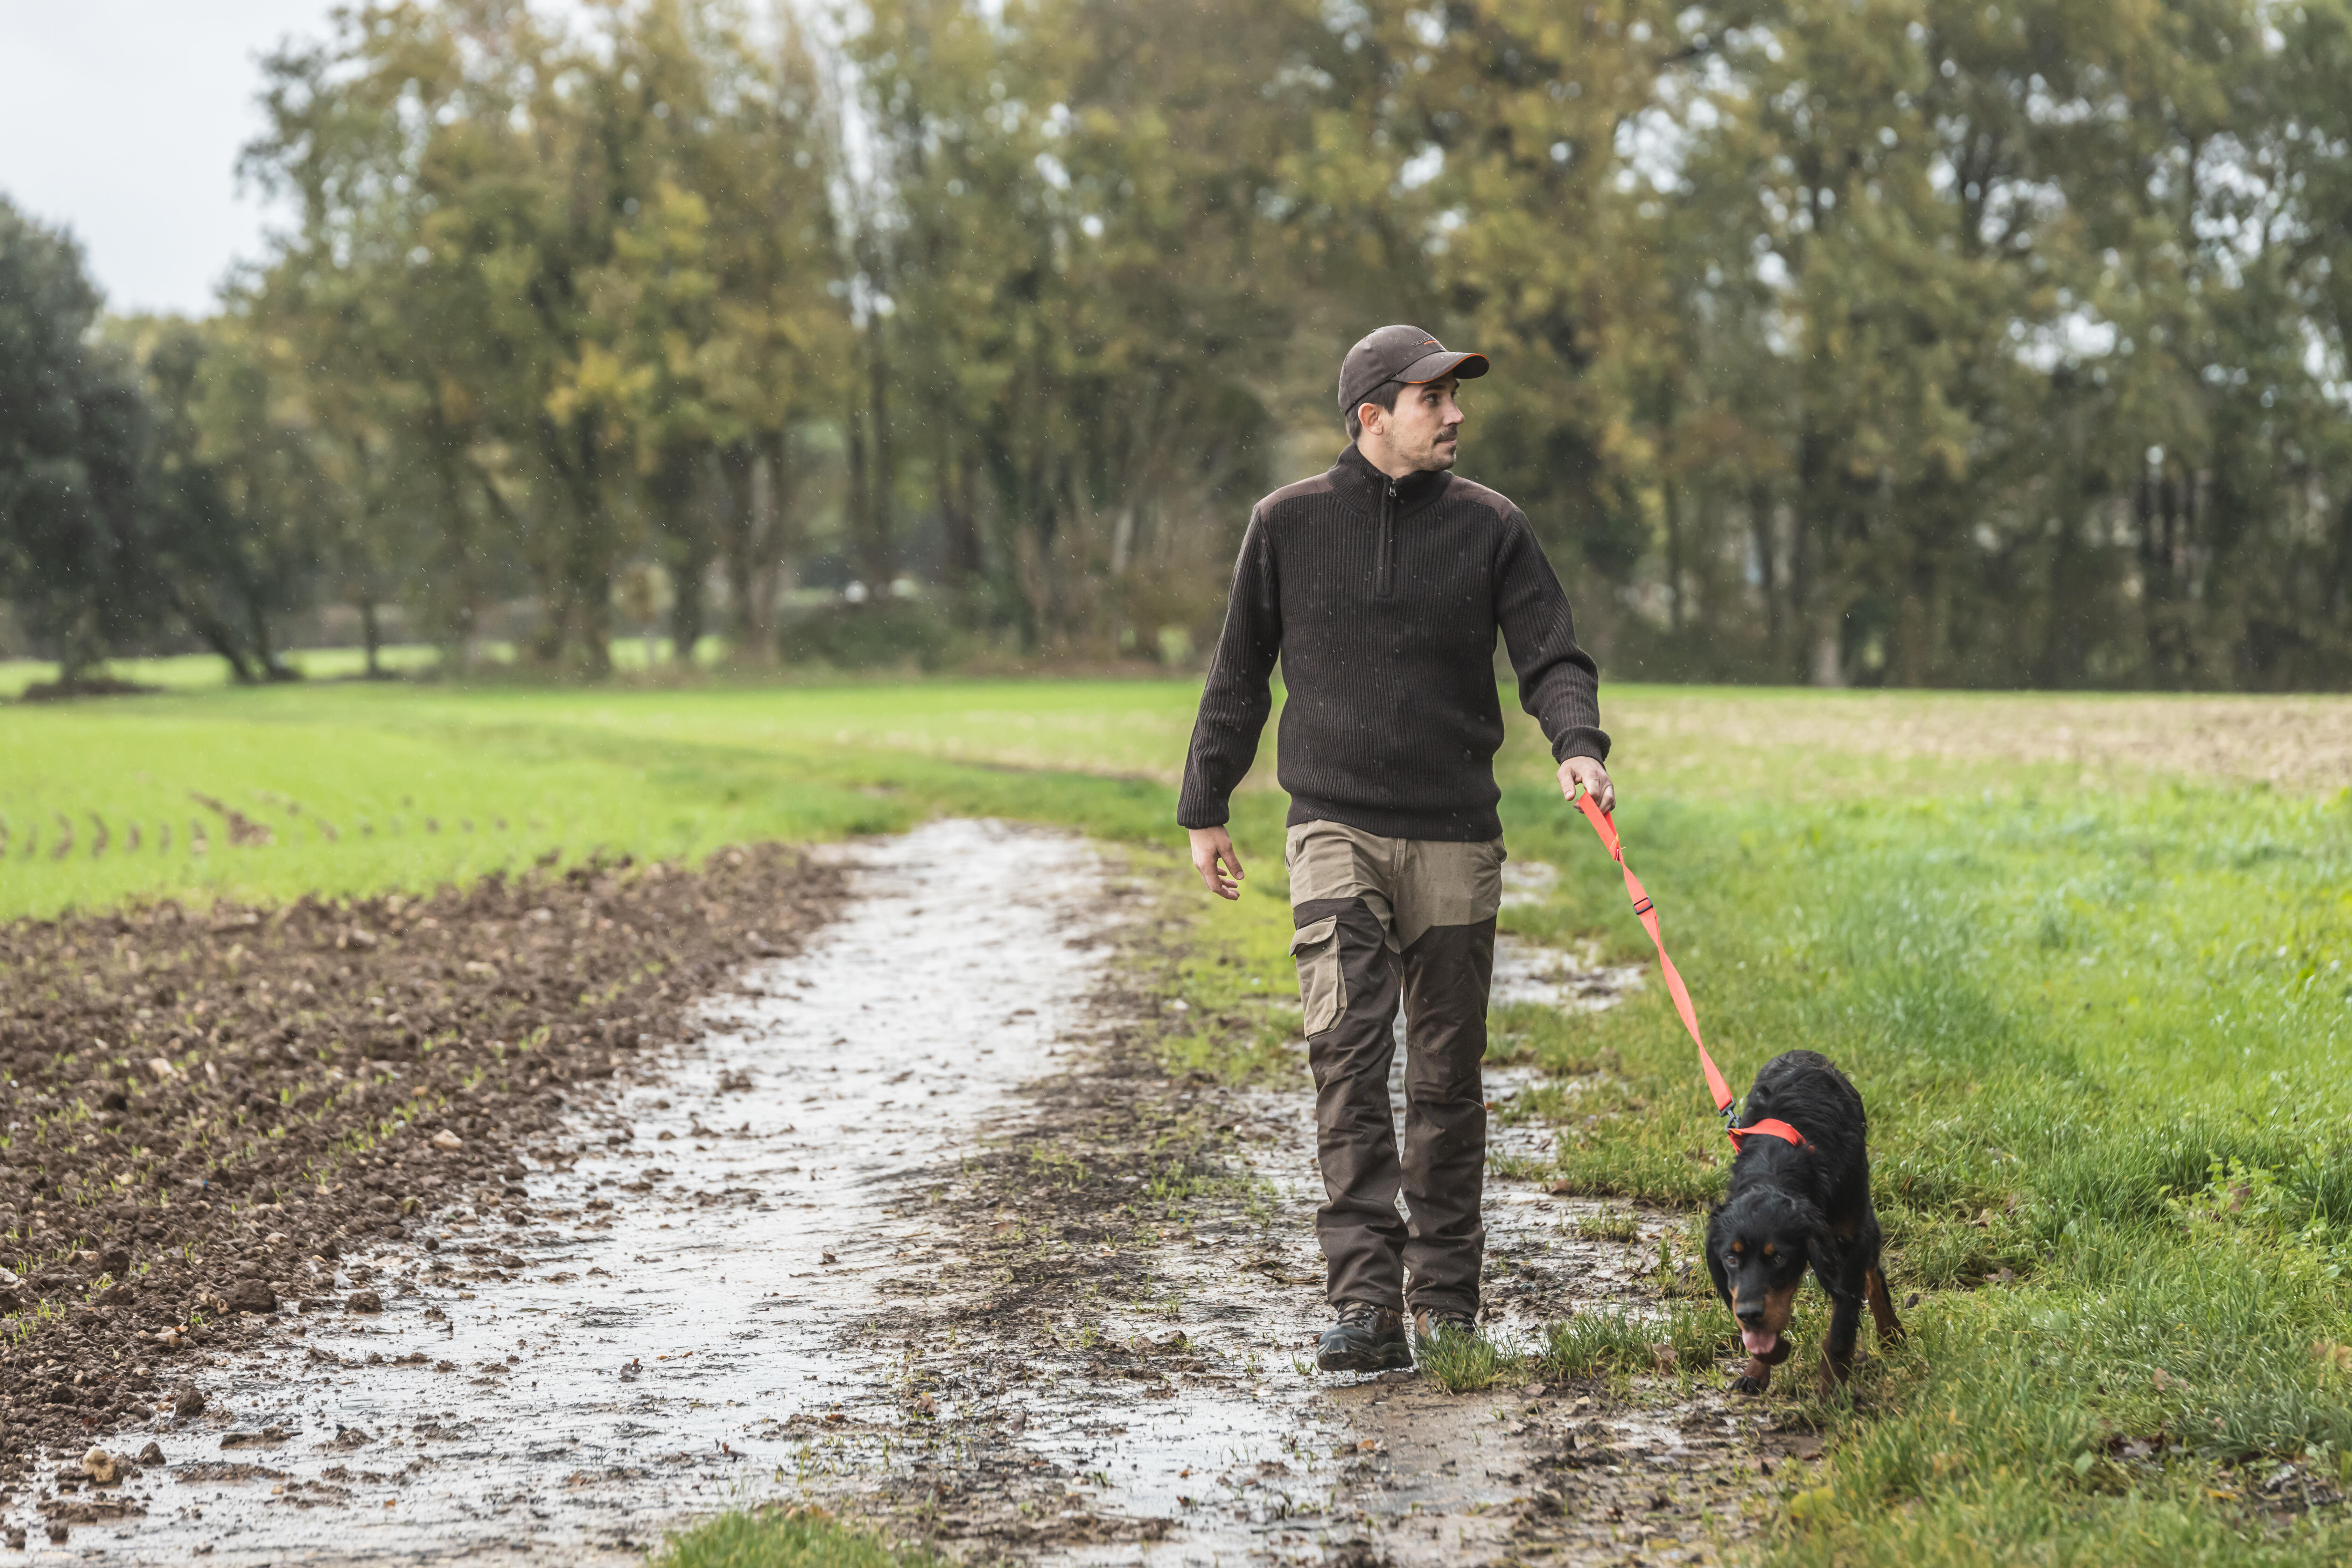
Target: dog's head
[(1757, 1246)]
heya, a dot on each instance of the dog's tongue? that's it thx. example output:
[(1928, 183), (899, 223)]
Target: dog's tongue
[(1757, 1341)]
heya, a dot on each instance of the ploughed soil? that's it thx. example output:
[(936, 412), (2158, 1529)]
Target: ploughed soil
[(205, 1108)]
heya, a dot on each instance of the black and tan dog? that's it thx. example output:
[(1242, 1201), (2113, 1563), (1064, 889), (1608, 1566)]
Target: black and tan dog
[(1795, 1205)]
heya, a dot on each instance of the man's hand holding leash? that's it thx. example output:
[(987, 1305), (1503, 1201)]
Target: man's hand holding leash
[(1585, 772)]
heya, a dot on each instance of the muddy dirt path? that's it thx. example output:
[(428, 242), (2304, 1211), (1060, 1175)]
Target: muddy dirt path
[(918, 1230)]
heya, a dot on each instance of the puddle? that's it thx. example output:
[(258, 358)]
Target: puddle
[(1571, 979), (741, 1278)]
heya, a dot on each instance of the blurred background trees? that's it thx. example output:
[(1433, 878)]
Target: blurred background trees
[(1918, 342)]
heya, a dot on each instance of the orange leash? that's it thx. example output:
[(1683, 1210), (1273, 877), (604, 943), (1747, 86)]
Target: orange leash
[(1646, 911)]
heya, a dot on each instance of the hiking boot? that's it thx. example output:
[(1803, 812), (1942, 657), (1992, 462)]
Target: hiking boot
[(1431, 1322), (1365, 1339)]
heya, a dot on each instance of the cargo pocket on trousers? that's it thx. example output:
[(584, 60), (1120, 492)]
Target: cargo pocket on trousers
[(1321, 992)]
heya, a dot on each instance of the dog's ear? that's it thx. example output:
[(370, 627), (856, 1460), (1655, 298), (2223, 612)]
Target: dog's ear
[(1715, 1256), (1820, 1251), (1715, 1272)]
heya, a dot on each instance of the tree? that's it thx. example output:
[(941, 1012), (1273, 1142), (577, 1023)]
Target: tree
[(75, 546), (234, 485), (1895, 341)]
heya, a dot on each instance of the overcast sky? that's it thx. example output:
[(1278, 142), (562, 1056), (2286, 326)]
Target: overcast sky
[(121, 119)]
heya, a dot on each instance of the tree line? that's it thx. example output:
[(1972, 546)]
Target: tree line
[(1847, 340)]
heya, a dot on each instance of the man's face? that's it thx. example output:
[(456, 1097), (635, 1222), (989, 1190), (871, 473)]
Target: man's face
[(1424, 429)]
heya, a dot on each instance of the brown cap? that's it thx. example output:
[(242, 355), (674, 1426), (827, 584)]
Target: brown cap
[(1406, 354)]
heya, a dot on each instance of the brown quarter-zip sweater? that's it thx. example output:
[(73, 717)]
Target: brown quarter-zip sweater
[(1382, 597)]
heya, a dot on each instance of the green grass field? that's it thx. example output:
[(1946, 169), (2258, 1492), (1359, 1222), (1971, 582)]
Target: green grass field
[(2084, 957)]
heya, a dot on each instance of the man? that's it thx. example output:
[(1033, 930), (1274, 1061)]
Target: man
[(1380, 586)]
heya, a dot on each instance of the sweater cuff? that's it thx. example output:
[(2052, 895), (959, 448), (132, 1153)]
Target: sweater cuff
[(1193, 814), (1584, 740)]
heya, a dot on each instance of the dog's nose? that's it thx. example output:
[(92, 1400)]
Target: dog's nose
[(1750, 1315)]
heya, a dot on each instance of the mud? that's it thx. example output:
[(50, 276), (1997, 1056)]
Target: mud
[(916, 1227)]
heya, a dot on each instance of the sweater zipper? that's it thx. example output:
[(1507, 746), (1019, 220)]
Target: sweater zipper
[(1384, 574)]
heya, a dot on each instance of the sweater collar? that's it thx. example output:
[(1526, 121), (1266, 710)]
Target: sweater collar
[(1358, 481)]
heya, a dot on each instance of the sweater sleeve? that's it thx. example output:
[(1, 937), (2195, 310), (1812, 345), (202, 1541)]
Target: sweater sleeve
[(1559, 683), (1238, 697)]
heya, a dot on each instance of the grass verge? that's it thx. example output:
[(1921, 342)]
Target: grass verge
[(2097, 1037)]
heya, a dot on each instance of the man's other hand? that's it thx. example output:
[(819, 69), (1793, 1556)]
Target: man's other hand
[(1214, 857), (1585, 770)]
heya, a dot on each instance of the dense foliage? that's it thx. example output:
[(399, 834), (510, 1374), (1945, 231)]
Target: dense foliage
[(1881, 339), (71, 431)]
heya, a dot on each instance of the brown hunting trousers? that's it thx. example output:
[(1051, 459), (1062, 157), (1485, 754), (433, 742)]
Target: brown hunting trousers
[(1379, 920)]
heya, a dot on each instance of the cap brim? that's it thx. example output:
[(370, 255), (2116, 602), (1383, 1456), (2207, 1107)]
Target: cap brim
[(1434, 367)]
